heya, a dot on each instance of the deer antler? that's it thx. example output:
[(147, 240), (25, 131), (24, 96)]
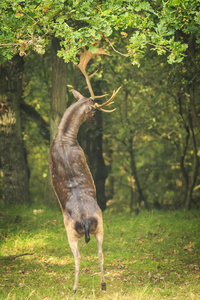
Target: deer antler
[(85, 57), (108, 102)]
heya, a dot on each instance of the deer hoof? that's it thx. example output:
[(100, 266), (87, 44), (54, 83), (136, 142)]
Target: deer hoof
[(103, 286), (74, 291)]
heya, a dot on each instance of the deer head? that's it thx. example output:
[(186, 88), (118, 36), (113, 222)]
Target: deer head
[(85, 57), (87, 107)]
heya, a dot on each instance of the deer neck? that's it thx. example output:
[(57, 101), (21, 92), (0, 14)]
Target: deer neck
[(72, 120)]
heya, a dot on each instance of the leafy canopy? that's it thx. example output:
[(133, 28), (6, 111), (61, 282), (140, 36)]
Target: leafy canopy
[(28, 24)]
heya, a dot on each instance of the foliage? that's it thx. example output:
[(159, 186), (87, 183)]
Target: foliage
[(148, 134), (151, 256), (147, 111), (148, 124), (37, 86), (29, 24)]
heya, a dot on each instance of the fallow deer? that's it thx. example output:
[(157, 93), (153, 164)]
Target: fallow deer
[(71, 177)]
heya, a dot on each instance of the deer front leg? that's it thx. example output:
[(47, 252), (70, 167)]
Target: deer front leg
[(99, 239)]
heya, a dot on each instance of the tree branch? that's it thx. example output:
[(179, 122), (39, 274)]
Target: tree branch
[(37, 118)]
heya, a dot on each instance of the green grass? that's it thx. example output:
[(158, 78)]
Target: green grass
[(154, 255)]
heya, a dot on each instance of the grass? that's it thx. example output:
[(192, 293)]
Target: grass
[(154, 255)]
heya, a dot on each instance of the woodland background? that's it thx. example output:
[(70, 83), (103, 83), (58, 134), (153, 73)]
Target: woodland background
[(146, 153)]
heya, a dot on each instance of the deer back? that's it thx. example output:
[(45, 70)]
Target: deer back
[(71, 177)]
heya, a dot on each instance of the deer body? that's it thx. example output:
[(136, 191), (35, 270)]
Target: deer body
[(73, 182)]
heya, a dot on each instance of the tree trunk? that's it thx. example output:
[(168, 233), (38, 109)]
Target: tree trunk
[(110, 187), (58, 106), (99, 167), (96, 160), (134, 174), (195, 166), (192, 117), (91, 142), (189, 176), (59, 88), (12, 154)]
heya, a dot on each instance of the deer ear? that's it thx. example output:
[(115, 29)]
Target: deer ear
[(77, 95)]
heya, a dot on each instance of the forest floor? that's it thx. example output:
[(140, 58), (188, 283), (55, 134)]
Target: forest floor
[(154, 255)]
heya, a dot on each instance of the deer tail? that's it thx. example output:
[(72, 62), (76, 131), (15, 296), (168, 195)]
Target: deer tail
[(87, 232)]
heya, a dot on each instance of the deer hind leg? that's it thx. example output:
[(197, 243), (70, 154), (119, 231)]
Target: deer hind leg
[(99, 239), (73, 242)]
